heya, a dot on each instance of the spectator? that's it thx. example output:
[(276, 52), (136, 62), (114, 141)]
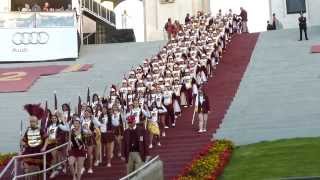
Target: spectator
[(269, 26), (69, 8), (36, 8), (46, 7), (60, 9), (26, 8), (244, 17), (274, 21)]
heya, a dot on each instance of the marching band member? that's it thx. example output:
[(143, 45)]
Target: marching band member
[(139, 113), (95, 100), (148, 82), (97, 114), (153, 126), (107, 135), (57, 132), (77, 150), (168, 103), (186, 90), (83, 109), (202, 106), (97, 110), (113, 96), (52, 132), (117, 123), (132, 79), (89, 135), (34, 139), (66, 110), (146, 66), (123, 91), (176, 96), (130, 97)]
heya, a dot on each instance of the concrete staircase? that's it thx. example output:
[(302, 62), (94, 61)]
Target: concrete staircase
[(279, 94)]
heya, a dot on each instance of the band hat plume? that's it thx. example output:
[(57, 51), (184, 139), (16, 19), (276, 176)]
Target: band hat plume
[(35, 110), (131, 119)]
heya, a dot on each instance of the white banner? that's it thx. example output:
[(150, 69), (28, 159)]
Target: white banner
[(38, 44)]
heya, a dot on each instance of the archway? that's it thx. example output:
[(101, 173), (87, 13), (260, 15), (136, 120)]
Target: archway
[(135, 18)]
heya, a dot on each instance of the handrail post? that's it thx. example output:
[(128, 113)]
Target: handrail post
[(35, 20), (15, 168), (109, 15), (44, 166)]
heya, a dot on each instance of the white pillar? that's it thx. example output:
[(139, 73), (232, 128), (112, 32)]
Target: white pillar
[(270, 9), (5, 5), (145, 20), (206, 6)]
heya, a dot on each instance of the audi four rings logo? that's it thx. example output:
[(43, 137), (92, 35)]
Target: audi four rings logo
[(26, 38)]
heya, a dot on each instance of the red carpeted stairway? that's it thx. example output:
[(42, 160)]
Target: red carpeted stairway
[(183, 142)]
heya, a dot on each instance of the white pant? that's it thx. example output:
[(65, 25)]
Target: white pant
[(203, 119)]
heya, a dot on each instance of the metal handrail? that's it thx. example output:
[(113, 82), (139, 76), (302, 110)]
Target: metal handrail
[(91, 5), (15, 159), (140, 168)]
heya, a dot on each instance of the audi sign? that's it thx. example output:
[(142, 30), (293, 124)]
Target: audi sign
[(27, 38)]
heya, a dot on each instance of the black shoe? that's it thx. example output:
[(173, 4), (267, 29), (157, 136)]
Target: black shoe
[(300, 40), (307, 39)]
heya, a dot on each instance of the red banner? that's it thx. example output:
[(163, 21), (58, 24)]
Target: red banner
[(315, 49)]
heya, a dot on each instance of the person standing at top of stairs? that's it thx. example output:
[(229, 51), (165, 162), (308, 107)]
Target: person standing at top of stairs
[(303, 26)]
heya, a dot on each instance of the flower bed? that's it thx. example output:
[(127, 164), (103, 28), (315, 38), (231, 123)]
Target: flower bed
[(5, 158), (210, 162)]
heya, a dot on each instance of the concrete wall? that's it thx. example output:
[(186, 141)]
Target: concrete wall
[(5, 5), (156, 15), (291, 20)]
